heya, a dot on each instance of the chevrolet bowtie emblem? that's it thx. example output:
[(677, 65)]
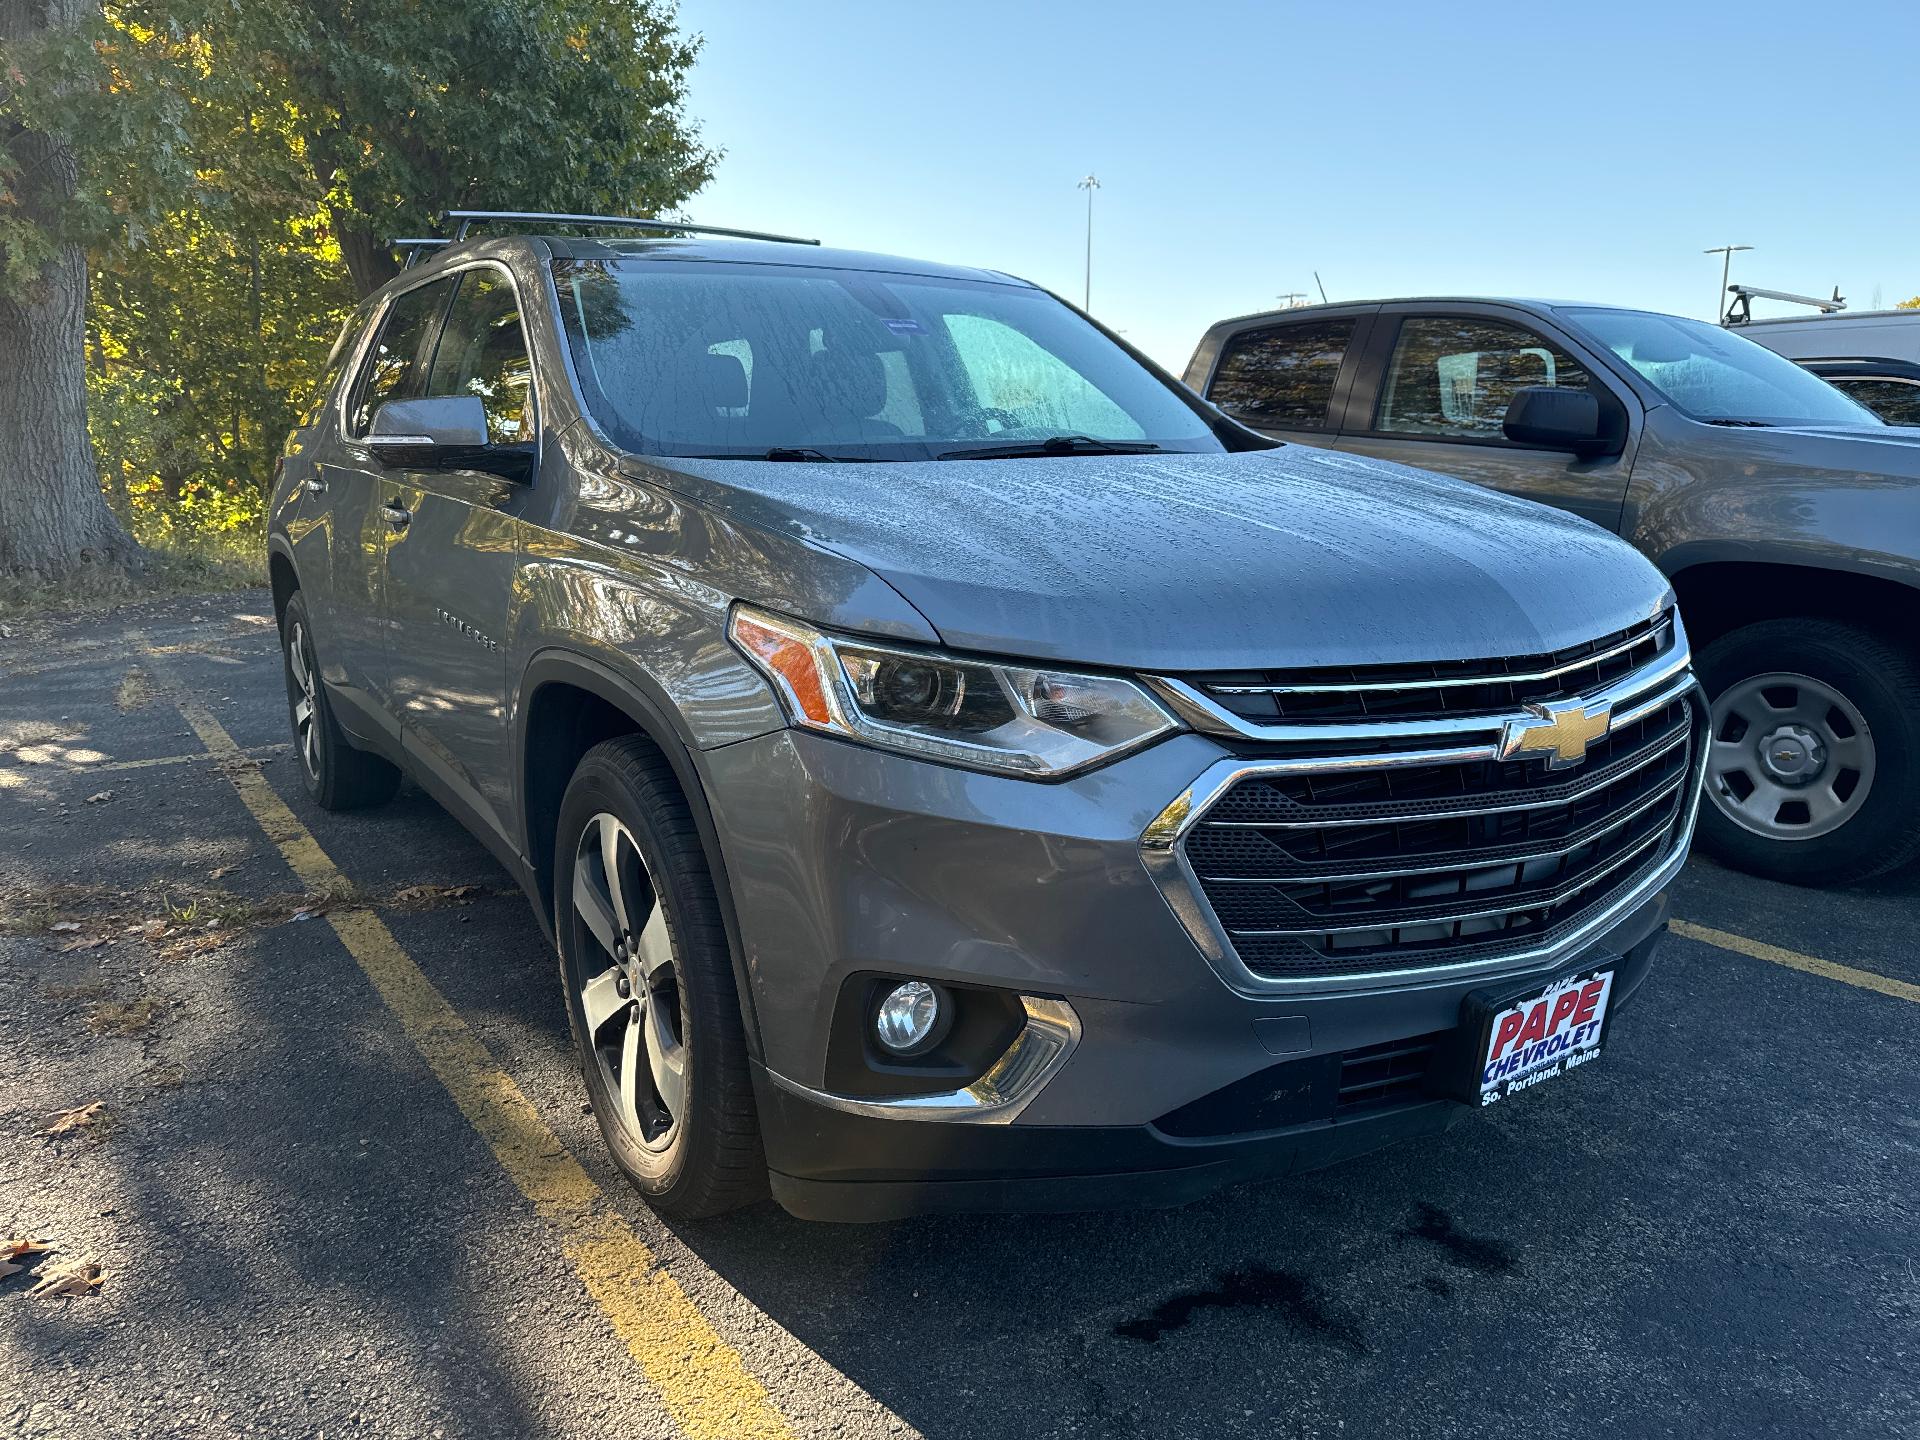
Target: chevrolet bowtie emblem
[(1561, 733)]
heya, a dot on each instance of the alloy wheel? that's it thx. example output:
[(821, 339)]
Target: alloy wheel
[(306, 733), (628, 984), (1791, 757)]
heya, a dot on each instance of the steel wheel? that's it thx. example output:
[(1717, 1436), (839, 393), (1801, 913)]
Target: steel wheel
[(300, 664), (1792, 758), (628, 983)]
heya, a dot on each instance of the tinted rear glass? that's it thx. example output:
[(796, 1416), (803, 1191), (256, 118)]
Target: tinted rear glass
[(1282, 378)]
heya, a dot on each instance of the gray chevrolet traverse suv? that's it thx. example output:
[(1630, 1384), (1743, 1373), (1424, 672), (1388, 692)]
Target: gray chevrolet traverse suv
[(1786, 515), (956, 767)]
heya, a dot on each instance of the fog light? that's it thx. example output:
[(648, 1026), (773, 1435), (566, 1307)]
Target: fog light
[(907, 1017)]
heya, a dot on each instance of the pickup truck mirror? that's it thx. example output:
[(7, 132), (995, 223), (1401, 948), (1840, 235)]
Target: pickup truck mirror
[(1559, 417), (443, 432)]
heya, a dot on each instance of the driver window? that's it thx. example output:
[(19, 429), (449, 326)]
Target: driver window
[(395, 368), (1455, 377), (483, 352)]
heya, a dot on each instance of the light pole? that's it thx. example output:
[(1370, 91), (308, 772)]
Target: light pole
[(1089, 185), (1725, 252)]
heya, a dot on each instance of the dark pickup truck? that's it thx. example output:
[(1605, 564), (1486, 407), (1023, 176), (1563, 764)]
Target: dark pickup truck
[(1786, 515)]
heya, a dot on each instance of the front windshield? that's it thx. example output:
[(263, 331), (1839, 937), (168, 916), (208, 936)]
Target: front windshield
[(1717, 376), (788, 362)]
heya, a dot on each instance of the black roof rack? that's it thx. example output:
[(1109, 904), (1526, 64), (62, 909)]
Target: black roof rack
[(415, 244)]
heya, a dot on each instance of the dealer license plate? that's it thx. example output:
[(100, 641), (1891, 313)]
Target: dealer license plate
[(1529, 1039)]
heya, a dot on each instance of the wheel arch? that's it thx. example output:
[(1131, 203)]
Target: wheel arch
[(282, 576), (1718, 595), (567, 704)]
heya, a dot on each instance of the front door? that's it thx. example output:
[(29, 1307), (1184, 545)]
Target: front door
[(350, 629), (451, 557), (1441, 398)]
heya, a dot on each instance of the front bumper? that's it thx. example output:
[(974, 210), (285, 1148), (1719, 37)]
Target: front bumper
[(827, 1164), (843, 860)]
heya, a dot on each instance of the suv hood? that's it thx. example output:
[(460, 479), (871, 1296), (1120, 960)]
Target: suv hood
[(1175, 562)]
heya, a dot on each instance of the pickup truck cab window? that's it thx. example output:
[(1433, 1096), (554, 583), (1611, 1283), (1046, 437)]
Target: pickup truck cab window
[(1282, 378), (1895, 401), (1454, 376)]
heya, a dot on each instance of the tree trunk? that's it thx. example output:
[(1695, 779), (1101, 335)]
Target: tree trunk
[(54, 519), (369, 260)]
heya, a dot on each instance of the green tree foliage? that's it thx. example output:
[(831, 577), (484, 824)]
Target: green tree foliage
[(1913, 304), (242, 164)]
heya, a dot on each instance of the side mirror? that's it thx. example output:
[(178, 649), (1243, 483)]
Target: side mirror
[(443, 432), (1557, 417)]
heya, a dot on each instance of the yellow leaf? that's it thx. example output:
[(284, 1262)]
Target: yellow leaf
[(74, 1119)]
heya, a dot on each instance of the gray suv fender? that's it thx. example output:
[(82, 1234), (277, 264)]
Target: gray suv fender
[(653, 716)]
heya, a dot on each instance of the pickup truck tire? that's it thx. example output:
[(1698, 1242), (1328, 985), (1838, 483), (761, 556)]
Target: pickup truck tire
[(338, 776), (655, 1014), (1813, 773)]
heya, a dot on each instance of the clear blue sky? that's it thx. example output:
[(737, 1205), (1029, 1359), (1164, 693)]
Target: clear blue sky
[(1580, 151)]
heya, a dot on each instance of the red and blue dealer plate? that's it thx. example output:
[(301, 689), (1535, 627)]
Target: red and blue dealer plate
[(1528, 1039)]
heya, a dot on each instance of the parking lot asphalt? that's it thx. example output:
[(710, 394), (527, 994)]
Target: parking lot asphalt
[(324, 1207)]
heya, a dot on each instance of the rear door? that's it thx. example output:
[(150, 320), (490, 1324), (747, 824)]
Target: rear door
[(1434, 392), (1288, 378), (350, 636), (451, 557)]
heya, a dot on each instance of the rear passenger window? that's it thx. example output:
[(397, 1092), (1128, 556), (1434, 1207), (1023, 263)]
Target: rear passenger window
[(396, 368), (1895, 401), (1282, 379), (1455, 376), (483, 352)]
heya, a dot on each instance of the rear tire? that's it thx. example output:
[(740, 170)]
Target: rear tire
[(650, 990), (1813, 775), (338, 776)]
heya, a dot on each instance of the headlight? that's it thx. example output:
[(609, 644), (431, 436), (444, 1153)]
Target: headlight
[(1006, 718)]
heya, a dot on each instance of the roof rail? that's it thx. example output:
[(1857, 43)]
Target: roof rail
[(641, 222)]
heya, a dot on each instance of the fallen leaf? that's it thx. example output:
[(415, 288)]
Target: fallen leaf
[(74, 1119), (7, 1267), (221, 872), (22, 1245), (94, 944), (101, 798), (76, 1277), (64, 927)]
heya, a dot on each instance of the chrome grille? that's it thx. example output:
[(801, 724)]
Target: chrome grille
[(1403, 841), (1442, 688)]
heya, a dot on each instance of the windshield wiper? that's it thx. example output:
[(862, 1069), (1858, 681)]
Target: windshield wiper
[(1745, 424), (1052, 445), (793, 453)]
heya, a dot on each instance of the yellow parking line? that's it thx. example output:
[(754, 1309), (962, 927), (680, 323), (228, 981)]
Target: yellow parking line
[(1794, 960), (702, 1380)]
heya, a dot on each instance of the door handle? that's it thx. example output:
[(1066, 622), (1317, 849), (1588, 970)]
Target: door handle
[(397, 517), (316, 487)]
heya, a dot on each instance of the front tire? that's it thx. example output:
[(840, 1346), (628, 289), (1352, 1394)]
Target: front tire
[(337, 776), (650, 988), (1813, 771)]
